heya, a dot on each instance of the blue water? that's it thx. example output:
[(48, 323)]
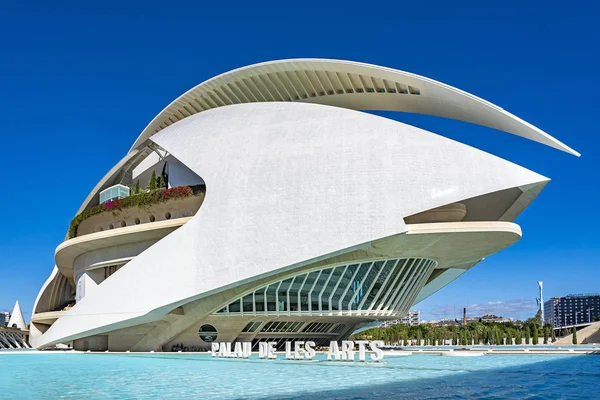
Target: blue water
[(182, 376), (503, 347)]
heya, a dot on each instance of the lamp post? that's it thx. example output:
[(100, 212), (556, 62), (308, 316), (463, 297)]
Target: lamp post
[(589, 314)]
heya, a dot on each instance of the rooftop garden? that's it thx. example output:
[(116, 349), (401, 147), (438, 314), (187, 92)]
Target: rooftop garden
[(139, 200)]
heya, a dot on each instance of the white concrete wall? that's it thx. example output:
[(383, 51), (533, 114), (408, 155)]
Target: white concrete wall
[(287, 183)]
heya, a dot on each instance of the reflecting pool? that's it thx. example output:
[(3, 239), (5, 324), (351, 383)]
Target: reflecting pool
[(187, 376)]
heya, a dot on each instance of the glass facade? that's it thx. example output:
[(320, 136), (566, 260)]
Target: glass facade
[(572, 310), (113, 193), (377, 287)]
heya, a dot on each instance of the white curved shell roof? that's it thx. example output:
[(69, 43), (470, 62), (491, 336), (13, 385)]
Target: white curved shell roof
[(344, 84), (286, 196)]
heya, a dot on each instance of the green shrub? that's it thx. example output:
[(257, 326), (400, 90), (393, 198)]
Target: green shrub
[(137, 187), (574, 335), (152, 182)]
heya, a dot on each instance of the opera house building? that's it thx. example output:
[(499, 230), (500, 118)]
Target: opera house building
[(265, 204)]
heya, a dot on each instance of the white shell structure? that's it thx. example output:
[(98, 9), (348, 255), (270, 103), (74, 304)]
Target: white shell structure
[(315, 218), (16, 319)]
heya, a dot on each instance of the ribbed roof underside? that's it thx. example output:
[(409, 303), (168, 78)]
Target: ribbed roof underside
[(343, 84)]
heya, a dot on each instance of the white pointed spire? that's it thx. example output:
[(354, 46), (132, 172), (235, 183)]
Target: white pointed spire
[(16, 318)]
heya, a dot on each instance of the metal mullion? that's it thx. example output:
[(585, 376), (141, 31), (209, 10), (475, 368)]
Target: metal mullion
[(311, 290), (277, 297), (336, 287), (287, 293), (419, 282), (254, 303), (392, 269), (389, 290), (265, 300), (410, 280), (429, 267), (300, 291), (391, 298), (409, 285), (362, 281), (371, 287), (322, 290), (347, 287)]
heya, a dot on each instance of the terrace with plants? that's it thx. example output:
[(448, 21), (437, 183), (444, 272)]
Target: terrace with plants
[(154, 203)]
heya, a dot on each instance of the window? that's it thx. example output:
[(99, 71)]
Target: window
[(252, 326), (113, 193), (207, 333)]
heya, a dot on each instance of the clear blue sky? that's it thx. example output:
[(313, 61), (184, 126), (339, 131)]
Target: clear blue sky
[(78, 82)]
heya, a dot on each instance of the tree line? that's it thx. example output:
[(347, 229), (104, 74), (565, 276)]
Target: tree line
[(489, 333)]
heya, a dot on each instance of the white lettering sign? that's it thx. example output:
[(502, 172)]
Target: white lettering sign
[(301, 350)]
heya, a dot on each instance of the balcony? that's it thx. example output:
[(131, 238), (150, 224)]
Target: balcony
[(142, 208)]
